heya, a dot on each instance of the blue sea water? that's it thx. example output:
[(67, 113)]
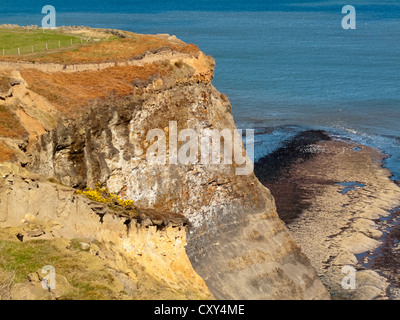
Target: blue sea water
[(286, 66)]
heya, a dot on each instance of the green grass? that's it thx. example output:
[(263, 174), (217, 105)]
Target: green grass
[(25, 258), (86, 274), (11, 40)]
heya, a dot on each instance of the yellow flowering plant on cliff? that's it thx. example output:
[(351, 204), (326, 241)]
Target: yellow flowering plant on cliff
[(103, 195)]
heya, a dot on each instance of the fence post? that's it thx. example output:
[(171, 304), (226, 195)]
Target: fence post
[(19, 52)]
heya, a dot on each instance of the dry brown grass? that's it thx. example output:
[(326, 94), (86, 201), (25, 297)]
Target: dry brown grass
[(71, 91), (6, 154), (4, 83), (115, 50), (10, 126), (6, 282)]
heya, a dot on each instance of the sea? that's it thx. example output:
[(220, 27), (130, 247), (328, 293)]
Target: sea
[(286, 66)]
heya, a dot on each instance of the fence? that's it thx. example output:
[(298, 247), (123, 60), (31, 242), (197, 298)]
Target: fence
[(41, 47)]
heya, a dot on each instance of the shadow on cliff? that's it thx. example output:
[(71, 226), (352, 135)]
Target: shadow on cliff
[(275, 172)]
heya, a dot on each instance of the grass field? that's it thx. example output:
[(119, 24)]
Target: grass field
[(52, 46), (36, 40)]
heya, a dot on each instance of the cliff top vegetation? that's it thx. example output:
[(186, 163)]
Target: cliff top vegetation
[(74, 45)]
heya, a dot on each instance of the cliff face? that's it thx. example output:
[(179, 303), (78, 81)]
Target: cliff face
[(136, 258), (236, 241)]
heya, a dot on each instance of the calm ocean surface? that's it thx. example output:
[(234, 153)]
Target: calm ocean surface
[(286, 67)]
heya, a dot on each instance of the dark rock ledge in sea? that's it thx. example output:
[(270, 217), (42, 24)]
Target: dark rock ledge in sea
[(333, 196)]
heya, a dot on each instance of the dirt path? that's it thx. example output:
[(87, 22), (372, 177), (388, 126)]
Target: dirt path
[(58, 67)]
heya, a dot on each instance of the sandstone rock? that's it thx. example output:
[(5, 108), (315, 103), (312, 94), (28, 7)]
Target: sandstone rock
[(359, 243), (30, 291), (84, 246), (221, 212), (72, 217), (33, 277), (105, 142)]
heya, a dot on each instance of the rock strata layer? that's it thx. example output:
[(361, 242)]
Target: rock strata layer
[(236, 242)]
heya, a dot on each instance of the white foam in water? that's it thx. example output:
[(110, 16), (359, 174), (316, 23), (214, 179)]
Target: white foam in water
[(389, 145)]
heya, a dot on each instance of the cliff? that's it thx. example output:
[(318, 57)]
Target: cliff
[(78, 119)]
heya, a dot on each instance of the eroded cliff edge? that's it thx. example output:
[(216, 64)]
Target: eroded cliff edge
[(85, 123)]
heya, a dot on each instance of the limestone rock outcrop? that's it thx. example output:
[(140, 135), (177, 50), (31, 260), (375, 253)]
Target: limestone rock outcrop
[(235, 242)]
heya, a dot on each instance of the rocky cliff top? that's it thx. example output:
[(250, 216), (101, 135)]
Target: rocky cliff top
[(39, 90)]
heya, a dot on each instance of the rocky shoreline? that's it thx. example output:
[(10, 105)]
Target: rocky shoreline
[(339, 202)]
